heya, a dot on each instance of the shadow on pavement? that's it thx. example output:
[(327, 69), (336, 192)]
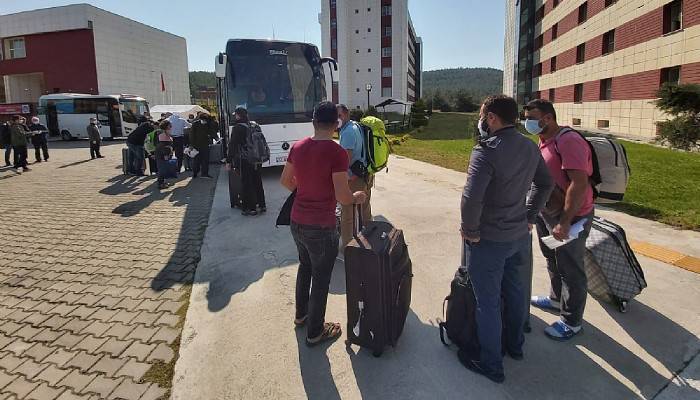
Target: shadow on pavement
[(75, 163)]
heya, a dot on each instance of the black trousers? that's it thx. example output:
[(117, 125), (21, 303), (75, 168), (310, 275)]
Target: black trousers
[(95, 150), (179, 149), (253, 191), (8, 152), (20, 156), (201, 162), (40, 146)]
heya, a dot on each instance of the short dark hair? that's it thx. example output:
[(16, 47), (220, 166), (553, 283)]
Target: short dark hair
[(544, 106), (165, 125), (503, 106), (241, 111), (16, 117), (325, 113)]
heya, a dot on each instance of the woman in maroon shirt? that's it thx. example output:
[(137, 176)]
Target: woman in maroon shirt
[(317, 169)]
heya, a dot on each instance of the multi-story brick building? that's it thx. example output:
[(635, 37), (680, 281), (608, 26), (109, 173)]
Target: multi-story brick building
[(375, 44), (83, 49), (602, 61)]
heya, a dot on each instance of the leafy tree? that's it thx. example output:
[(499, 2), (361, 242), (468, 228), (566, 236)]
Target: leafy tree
[(479, 82), (201, 79), (356, 114), (683, 103), (418, 117), (464, 102), (440, 102)]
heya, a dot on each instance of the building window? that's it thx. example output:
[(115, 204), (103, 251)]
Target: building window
[(357, 11), (608, 3), (583, 13), (555, 31), (386, 92), (387, 31), (386, 72), (369, 9), (357, 51), (603, 124), (357, 90), (576, 121), (369, 69), (553, 64), (14, 48), (581, 53), (538, 70), (671, 76), (333, 3), (539, 42), (334, 44), (578, 93), (606, 89), (556, 3), (334, 24), (386, 11), (673, 16), (369, 30), (552, 94), (539, 15), (369, 50), (386, 51), (609, 42), (357, 31), (357, 70)]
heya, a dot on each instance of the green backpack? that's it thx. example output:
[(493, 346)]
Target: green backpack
[(151, 142), (376, 144)]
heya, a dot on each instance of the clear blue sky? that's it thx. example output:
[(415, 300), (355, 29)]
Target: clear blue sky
[(456, 33)]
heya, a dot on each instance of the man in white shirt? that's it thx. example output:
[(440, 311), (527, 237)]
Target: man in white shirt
[(179, 125)]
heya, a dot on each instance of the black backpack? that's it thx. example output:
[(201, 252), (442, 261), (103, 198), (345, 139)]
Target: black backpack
[(459, 311), (5, 135)]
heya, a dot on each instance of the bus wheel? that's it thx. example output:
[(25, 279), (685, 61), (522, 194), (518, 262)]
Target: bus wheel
[(65, 135)]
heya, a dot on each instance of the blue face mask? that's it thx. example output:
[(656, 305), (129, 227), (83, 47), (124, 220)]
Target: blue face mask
[(533, 126)]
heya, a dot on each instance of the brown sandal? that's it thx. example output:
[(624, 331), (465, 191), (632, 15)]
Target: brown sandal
[(331, 331)]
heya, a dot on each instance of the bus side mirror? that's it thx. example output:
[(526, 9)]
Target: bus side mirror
[(220, 65)]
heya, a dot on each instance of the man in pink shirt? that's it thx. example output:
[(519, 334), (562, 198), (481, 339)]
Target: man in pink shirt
[(569, 159)]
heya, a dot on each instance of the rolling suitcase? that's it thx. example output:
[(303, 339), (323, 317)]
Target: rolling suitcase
[(216, 153), (614, 274), (125, 161), (378, 278), (235, 186)]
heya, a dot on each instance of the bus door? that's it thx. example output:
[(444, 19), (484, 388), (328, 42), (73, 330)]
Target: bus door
[(102, 114), (115, 119), (52, 119)]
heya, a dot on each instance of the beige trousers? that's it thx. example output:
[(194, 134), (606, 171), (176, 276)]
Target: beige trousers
[(356, 185)]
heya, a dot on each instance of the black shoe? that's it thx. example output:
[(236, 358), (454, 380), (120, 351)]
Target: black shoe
[(38, 161), (263, 210), (194, 176), (474, 366), (92, 158), (249, 213), (515, 356), (207, 177)]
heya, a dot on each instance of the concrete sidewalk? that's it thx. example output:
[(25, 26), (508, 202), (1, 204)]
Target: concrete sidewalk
[(239, 340)]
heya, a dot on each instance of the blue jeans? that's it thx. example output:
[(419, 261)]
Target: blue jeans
[(495, 270), (318, 248), (136, 158)]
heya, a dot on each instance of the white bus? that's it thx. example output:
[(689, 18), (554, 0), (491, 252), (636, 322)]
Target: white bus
[(278, 82), (68, 114)]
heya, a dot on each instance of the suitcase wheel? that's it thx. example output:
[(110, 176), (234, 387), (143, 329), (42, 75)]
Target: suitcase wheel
[(623, 306)]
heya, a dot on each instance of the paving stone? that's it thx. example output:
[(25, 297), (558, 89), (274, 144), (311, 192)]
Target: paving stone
[(30, 368), (44, 392), (77, 380), (60, 357), (76, 325), (21, 387), (139, 350), (166, 334), (5, 379), (102, 386), (97, 328), (168, 319), (154, 393), (162, 352), (18, 347), (114, 346), (134, 369), (47, 336), (108, 365), (91, 344), (9, 362), (68, 395), (142, 333), (129, 390), (82, 361), (68, 340), (55, 322), (52, 374), (119, 330), (38, 352), (146, 318)]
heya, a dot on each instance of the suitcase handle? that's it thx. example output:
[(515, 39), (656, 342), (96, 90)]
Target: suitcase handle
[(357, 220)]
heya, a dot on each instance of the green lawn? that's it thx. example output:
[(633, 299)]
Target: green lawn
[(665, 184)]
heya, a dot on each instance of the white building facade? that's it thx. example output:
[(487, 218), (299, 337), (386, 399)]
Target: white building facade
[(84, 49), (375, 43)]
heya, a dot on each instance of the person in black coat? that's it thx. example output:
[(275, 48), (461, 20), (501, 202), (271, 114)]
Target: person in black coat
[(135, 142), (39, 139), (253, 192)]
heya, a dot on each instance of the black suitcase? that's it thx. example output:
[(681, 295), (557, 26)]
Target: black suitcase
[(378, 278), (235, 186)]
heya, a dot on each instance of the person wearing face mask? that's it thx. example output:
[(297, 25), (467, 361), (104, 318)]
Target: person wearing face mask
[(569, 159), (351, 140), (202, 133), (497, 214)]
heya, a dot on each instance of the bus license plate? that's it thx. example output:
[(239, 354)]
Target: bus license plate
[(282, 159)]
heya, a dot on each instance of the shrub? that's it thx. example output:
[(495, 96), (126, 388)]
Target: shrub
[(356, 114), (683, 103), (418, 117)]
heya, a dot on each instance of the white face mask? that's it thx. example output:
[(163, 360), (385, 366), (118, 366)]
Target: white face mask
[(483, 129)]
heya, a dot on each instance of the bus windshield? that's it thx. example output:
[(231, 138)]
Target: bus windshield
[(133, 110), (277, 82)]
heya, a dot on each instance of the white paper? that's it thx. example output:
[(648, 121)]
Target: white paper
[(356, 328), (576, 230)]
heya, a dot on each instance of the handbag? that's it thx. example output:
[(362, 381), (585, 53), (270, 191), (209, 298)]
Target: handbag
[(285, 216)]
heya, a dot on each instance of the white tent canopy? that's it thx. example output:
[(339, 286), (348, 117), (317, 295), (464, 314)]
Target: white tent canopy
[(182, 110)]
